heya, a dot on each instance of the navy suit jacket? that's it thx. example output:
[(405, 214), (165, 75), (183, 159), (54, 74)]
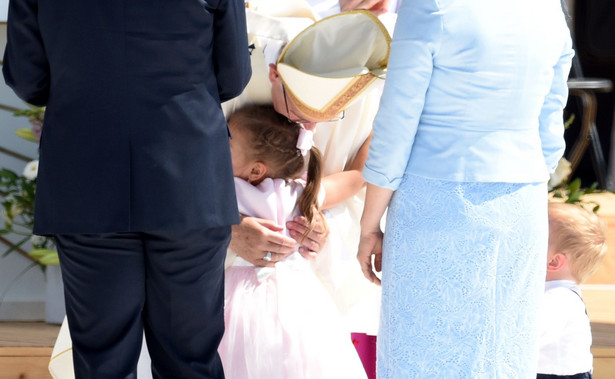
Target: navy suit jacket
[(134, 137)]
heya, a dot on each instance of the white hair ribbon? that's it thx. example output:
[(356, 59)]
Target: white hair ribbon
[(305, 141)]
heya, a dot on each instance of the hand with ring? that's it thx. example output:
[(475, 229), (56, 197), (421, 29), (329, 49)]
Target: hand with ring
[(272, 258), (253, 238)]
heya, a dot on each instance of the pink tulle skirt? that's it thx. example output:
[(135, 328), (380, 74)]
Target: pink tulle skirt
[(282, 324)]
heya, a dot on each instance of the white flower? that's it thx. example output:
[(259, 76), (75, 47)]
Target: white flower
[(16, 210), (8, 214), (30, 172), (37, 240), (563, 170), (7, 220)]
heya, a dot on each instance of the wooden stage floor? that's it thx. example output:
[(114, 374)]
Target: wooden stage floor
[(25, 347)]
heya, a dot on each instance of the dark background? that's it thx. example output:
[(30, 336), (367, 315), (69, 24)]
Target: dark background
[(594, 37)]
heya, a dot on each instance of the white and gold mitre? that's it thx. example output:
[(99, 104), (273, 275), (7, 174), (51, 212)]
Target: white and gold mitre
[(271, 25), (61, 362), (282, 8), (330, 63)]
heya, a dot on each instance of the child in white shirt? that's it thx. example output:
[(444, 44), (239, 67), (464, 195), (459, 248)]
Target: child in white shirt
[(577, 244)]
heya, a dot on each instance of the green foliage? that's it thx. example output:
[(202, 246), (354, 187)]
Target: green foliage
[(569, 121), (17, 198), (32, 112), (35, 115), (17, 194), (26, 134), (45, 257), (572, 193)]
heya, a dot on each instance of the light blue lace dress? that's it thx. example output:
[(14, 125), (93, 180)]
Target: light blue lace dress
[(463, 270), (470, 111)]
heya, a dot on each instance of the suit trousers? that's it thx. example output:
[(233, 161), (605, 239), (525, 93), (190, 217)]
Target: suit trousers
[(169, 285)]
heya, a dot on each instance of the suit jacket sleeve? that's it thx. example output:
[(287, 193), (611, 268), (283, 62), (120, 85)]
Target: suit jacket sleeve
[(230, 51), (25, 65)]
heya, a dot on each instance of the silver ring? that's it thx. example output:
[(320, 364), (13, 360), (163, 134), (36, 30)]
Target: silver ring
[(267, 257)]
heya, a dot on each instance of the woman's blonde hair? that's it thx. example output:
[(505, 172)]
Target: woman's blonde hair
[(580, 235)]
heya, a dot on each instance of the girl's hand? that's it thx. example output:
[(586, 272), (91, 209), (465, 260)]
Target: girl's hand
[(371, 244), (314, 241), (253, 238)]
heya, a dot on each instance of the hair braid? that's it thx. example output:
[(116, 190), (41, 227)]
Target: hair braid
[(274, 142)]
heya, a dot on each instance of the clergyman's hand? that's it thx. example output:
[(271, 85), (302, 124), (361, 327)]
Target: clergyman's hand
[(253, 238), (314, 241), (377, 7)]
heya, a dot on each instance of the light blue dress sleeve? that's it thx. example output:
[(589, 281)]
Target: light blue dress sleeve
[(551, 126), (415, 43)]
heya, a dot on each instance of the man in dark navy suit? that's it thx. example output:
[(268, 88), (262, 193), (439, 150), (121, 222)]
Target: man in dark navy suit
[(135, 179)]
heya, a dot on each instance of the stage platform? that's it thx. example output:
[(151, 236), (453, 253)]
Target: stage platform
[(25, 347)]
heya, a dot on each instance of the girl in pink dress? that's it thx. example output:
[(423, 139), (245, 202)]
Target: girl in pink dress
[(280, 320)]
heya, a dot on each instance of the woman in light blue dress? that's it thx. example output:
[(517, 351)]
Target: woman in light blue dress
[(469, 127)]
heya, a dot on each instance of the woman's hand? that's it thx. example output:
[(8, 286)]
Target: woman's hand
[(376, 201), (315, 240), (253, 238), (371, 244)]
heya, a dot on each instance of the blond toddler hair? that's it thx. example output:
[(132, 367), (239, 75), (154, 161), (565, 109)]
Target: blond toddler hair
[(578, 234)]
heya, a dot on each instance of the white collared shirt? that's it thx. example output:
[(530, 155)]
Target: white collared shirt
[(564, 331)]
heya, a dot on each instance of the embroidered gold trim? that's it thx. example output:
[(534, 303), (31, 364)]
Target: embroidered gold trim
[(60, 354), (338, 103), (353, 89)]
